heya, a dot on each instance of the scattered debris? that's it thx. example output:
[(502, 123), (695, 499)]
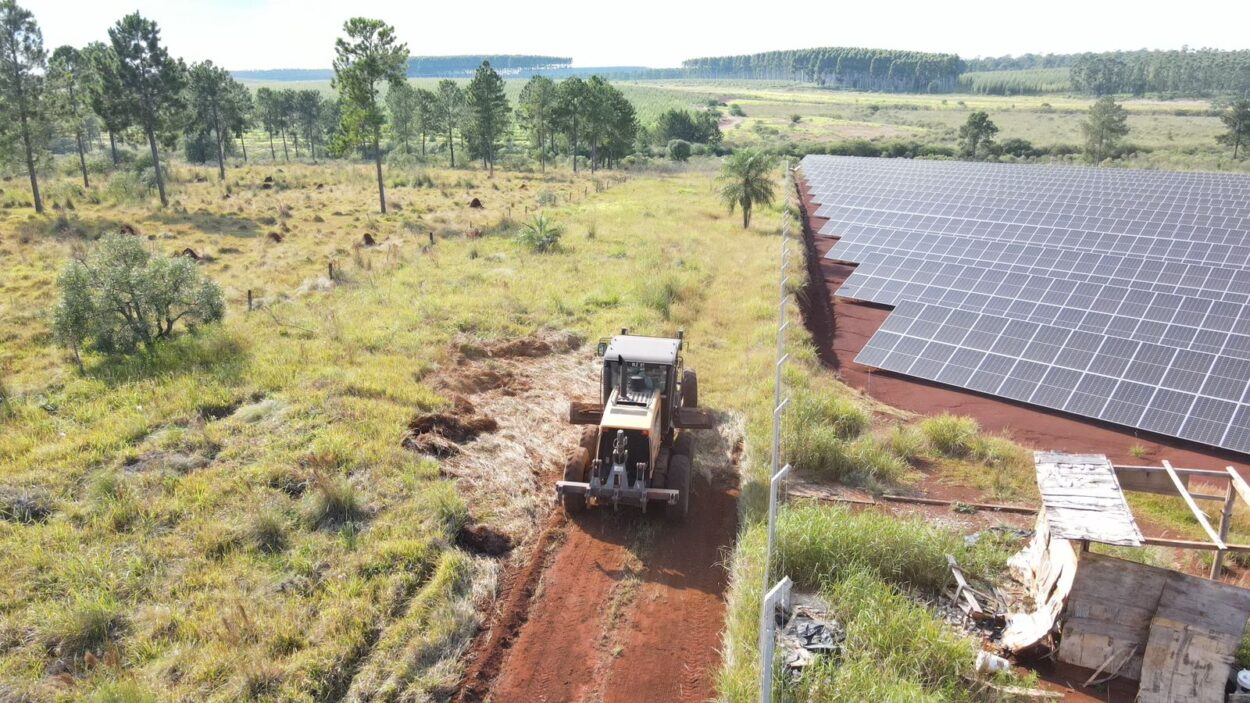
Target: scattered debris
[(809, 633)]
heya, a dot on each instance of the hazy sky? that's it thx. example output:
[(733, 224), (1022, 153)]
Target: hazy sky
[(250, 34)]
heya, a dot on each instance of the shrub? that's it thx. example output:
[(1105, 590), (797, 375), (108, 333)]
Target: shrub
[(120, 296), (1020, 148), (540, 234), (679, 150), (736, 110), (951, 435)]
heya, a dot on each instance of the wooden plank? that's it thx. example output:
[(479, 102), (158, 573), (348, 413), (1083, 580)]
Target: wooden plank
[(1193, 507), (1226, 519), (1205, 473), (1190, 544), (1101, 617), (962, 589), (1193, 638), (1083, 499), (995, 507), (1239, 485)]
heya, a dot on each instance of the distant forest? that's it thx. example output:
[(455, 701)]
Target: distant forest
[(1189, 72), (1184, 72), (839, 67), (507, 65)]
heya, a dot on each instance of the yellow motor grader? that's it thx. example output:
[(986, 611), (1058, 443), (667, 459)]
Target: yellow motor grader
[(636, 448)]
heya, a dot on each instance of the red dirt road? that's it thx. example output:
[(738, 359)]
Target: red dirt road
[(845, 326), (627, 608)]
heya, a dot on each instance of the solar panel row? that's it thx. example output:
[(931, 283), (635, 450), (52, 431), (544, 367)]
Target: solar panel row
[(1118, 295)]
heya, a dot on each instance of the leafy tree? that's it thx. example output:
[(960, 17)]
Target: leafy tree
[(449, 112), (213, 105), (368, 56), (108, 98), (572, 97), (535, 112), (119, 297), (698, 128), (153, 79), (69, 82), (404, 110), (1104, 128), (1237, 119), (23, 63), (611, 123), (976, 132), (747, 180), (310, 112), (427, 114), (679, 150), (488, 113)]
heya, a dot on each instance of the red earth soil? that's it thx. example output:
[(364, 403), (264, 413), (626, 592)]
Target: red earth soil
[(628, 608), (840, 328)]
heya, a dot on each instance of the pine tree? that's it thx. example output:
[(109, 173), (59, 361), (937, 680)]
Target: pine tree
[(488, 113)]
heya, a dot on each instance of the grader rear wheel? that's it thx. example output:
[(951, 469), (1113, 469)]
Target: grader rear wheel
[(575, 470), (678, 480)]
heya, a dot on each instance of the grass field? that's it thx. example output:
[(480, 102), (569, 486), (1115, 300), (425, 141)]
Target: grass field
[(234, 518)]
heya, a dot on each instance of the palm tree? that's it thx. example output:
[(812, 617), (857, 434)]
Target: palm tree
[(747, 180)]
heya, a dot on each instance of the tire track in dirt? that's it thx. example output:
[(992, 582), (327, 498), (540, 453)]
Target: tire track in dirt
[(629, 608)]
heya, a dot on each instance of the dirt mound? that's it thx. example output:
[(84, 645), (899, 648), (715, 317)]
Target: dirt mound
[(538, 345), (484, 540), (368, 240), (470, 379), (476, 204), (442, 433), (275, 237)]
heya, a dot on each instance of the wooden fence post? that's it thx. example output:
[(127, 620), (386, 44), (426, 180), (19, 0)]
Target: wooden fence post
[(249, 299)]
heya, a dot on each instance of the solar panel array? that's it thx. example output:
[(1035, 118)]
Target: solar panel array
[(1112, 294)]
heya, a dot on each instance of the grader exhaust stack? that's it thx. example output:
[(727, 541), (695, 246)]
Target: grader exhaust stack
[(636, 449)]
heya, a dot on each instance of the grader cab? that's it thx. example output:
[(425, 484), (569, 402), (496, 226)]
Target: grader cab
[(636, 448)]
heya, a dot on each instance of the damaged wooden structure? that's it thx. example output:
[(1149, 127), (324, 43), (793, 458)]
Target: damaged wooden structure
[(1174, 633)]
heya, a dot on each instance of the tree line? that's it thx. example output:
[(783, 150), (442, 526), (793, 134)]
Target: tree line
[(132, 89), (845, 67), (1196, 72)]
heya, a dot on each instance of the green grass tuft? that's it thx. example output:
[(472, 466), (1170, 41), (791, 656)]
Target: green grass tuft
[(950, 435)]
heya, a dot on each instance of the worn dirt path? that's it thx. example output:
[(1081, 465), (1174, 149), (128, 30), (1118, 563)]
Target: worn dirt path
[(617, 606)]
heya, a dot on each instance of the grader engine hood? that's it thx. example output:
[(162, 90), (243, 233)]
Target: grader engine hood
[(635, 415)]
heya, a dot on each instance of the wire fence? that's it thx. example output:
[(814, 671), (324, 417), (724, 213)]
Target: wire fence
[(776, 594)]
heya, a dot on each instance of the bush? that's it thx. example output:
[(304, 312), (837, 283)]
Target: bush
[(120, 296), (679, 149), (736, 110), (1020, 148), (951, 435)]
